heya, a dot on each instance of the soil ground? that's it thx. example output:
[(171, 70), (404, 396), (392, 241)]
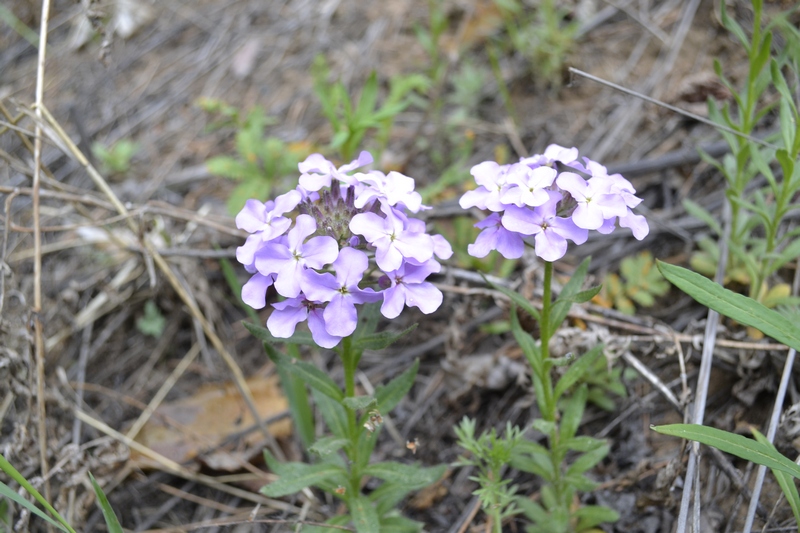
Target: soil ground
[(96, 281)]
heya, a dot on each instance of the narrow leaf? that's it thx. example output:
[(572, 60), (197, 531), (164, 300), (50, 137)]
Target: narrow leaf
[(747, 449), (263, 334), (740, 308), (297, 476), (112, 523), (328, 445), (518, 300), (365, 517), (784, 480), (12, 472), (578, 369), (313, 376), (389, 395), (402, 474), (359, 403), (384, 339), (333, 413), (7, 492)]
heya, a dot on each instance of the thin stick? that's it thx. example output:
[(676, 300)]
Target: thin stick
[(672, 108), (37, 247)]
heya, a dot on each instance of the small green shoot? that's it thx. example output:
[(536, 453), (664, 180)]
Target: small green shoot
[(260, 161), (490, 453), (152, 323), (117, 159), (350, 120)]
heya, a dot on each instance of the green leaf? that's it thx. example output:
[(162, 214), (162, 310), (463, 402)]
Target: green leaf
[(526, 343), (588, 460), (578, 369), (299, 337), (697, 211), (364, 515), (389, 395), (740, 308), (590, 516), (338, 520), (297, 395), (5, 490), (400, 524), (384, 339), (328, 445), (313, 376), (402, 474), (738, 445), (333, 413), (359, 403), (112, 523), (784, 480), (570, 290), (294, 477), (518, 299), (369, 98), (153, 322), (573, 413)]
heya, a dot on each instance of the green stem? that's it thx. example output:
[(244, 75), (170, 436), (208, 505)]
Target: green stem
[(545, 334), (349, 362)]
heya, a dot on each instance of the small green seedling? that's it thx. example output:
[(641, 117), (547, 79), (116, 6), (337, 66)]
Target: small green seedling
[(352, 119), (260, 160), (117, 159)]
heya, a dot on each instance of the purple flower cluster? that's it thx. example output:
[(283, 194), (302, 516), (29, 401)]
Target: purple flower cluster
[(346, 221), (534, 198)]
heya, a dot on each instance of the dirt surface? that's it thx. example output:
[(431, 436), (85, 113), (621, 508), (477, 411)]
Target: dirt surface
[(96, 281)]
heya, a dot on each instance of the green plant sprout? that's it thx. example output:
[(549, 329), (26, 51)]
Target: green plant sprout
[(561, 464), (760, 243), (152, 323), (490, 454), (351, 120), (52, 517), (639, 282), (544, 37), (260, 161), (117, 159)]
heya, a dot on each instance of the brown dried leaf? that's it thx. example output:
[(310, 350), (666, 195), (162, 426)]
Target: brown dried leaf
[(183, 429)]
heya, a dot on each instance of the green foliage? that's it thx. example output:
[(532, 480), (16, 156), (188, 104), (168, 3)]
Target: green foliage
[(760, 243), (117, 159), (354, 423), (544, 36), (351, 120), (152, 322), (260, 160), (751, 313), (759, 451), (639, 283), (490, 454), (561, 397), (54, 518)]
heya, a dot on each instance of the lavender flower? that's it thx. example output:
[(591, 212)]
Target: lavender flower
[(346, 221), (534, 198)]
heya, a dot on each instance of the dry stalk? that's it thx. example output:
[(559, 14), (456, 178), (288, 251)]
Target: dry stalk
[(37, 261)]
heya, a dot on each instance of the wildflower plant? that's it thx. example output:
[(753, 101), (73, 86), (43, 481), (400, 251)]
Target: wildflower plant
[(760, 241), (344, 239), (545, 201)]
